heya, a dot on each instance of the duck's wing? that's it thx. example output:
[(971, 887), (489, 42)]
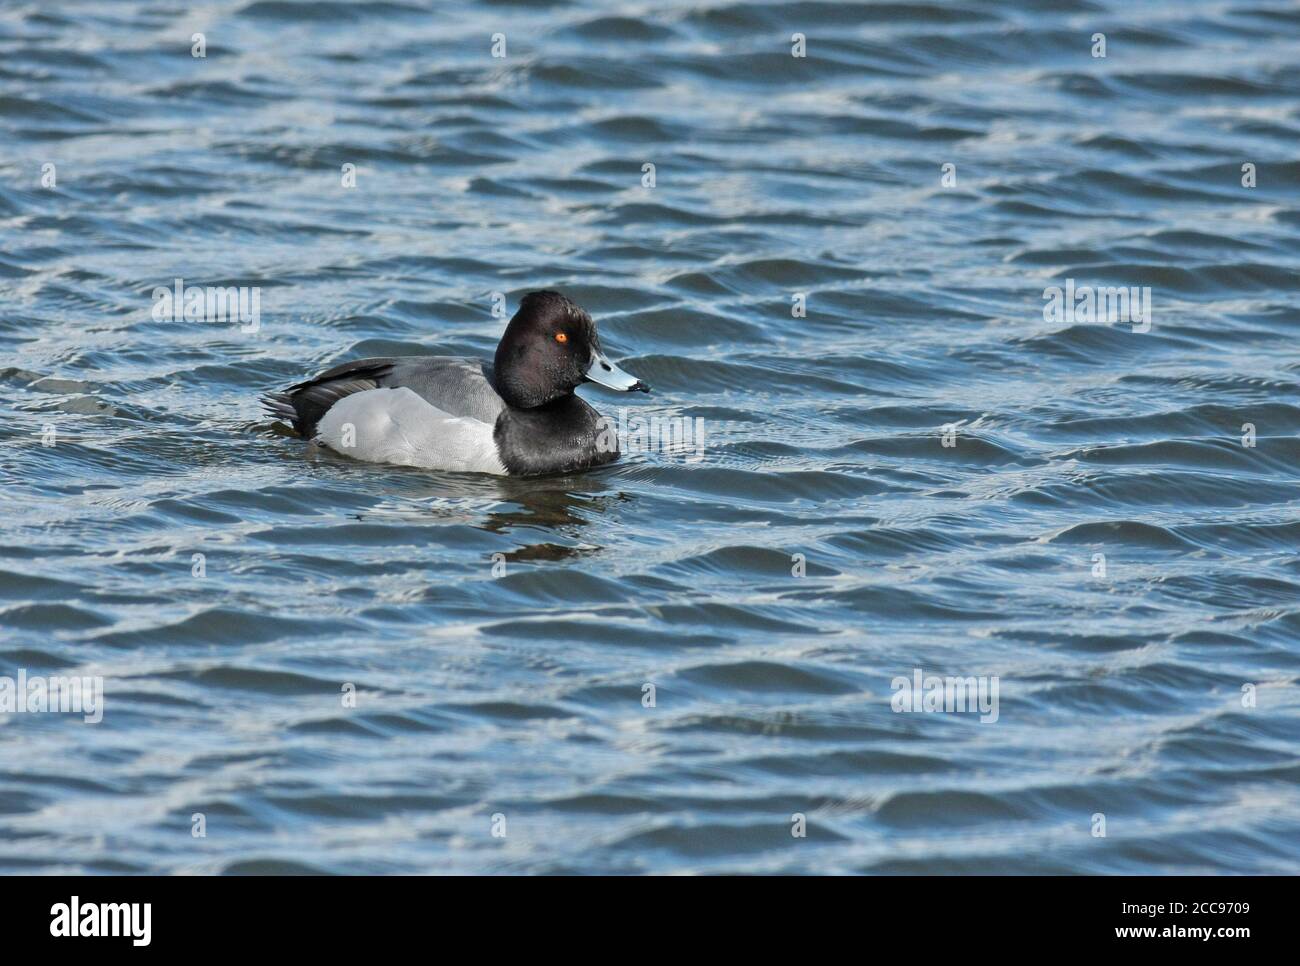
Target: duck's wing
[(455, 386), (461, 387)]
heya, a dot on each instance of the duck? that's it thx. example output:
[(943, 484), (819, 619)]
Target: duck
[(517, 415)]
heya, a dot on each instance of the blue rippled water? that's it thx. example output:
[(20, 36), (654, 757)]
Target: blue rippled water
[(927, 473)]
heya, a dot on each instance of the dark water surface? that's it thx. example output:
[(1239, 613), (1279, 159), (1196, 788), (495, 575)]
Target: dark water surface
[(520, 695)]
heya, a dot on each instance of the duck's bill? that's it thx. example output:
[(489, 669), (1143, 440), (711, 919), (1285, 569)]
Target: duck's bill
[(604, 373)]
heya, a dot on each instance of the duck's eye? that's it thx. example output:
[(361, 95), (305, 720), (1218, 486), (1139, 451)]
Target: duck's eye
[(561, 337)]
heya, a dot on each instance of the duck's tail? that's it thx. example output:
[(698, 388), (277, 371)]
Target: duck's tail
[(303, 405), (280, 406)]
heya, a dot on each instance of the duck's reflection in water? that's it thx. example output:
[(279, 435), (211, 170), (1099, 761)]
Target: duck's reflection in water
[(564, 505), (567, 508)]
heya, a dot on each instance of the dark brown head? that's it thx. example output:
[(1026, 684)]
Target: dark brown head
[(549, 349)]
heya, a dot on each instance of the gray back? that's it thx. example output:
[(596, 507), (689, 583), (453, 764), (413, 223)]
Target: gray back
[(460, 387)]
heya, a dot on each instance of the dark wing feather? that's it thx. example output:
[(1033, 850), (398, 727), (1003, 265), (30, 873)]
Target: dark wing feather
[(304, 404)]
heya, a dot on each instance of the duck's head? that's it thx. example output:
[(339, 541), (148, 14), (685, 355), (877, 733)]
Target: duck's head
[(549, 349)]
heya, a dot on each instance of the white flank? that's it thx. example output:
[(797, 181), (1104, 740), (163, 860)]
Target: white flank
[(398, 426)]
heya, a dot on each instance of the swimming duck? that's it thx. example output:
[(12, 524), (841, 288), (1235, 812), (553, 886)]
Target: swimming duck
[(515, 416)]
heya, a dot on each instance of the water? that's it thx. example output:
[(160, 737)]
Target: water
[(521, 695)]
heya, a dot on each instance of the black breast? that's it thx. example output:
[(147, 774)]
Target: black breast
[(564, 436)]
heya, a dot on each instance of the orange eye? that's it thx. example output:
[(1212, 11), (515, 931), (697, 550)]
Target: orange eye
[(561, 337)]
